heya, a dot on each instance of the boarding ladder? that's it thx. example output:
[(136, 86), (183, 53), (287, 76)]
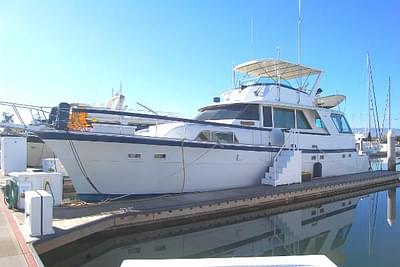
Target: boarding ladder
[(286, 164)]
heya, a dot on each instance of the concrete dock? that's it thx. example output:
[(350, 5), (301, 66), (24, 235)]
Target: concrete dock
[(14, 250)]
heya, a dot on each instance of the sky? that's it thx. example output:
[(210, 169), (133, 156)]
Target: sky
[(176, 55)]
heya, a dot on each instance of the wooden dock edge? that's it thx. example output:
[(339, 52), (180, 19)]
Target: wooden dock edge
[(130, 218)]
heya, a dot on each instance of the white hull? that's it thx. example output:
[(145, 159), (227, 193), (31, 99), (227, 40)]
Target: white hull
[(37, 152), (111, 170)]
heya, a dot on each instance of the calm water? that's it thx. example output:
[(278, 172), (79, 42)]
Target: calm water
[(351, 232)]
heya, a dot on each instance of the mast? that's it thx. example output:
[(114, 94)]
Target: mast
[(372, 104), (369, 97)]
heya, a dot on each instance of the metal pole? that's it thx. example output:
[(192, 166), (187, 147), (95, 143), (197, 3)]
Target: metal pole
[(369, 96), (298, 34), (390, 106), (251, 37)]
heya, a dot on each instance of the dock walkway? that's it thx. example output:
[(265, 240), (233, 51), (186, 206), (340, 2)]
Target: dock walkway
[(13, 249)]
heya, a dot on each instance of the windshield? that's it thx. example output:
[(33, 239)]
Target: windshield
[(230, 112), (264, 81)]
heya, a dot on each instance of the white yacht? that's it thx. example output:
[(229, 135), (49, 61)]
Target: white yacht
[(273, 128)]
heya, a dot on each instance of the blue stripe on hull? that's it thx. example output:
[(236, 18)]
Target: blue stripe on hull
[(76, 136)]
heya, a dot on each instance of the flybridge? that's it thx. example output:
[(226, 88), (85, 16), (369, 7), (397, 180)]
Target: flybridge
[(278, 72)]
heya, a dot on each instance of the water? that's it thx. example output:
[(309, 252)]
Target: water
[(353, 231)]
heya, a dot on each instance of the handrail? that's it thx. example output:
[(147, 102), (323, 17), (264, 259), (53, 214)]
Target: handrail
[(293, 138), (16, 111)]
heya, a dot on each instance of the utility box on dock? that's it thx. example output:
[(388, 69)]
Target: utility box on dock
[(13, 154), (39, 213), (27, 181)]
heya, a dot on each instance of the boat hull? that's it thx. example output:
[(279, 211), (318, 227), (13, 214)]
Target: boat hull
[(102, 165)]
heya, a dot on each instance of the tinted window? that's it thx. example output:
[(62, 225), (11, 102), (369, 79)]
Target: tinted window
[(267, 116), (283, 118), (302, 122), (341, 123), (235, 111)]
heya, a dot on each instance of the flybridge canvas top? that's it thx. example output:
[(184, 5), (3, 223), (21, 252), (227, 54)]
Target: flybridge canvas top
[(273, 68)]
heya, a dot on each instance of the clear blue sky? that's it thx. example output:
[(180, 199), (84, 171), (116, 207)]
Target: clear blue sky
[(176, 55)]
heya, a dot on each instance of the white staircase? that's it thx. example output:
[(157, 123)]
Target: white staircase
[(286, 165)]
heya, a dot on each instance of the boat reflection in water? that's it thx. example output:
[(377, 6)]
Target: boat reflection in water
[(318, 229)]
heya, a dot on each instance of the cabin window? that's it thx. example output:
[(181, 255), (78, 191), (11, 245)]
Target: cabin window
[(313, 212), (203, 136), (283, 118), (301, 120), (267, 114), (216, 136), (319, 123), (230, 112), (341, 123), (223, 137)]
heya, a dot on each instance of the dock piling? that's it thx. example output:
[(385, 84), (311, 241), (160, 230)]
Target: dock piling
[(391, 206), (391, 153)]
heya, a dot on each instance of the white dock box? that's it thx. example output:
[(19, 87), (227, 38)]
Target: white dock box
[(39, 213), (27, 181), (13, 154)]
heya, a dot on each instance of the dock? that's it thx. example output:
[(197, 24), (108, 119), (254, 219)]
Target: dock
[(73, 223), (14, 250), (76, 220)]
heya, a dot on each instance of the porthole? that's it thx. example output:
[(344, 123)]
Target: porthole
[(134, 156), (160, 156)]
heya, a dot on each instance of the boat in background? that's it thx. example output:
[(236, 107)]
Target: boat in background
[(365, 143), (267, 129), (31, 118), (366, 146)]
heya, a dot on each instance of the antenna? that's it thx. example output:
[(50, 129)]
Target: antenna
[(278, 57), (251, 37), (120, 87), (146, 107), (390, 106), (298, 34), (233, 74)]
